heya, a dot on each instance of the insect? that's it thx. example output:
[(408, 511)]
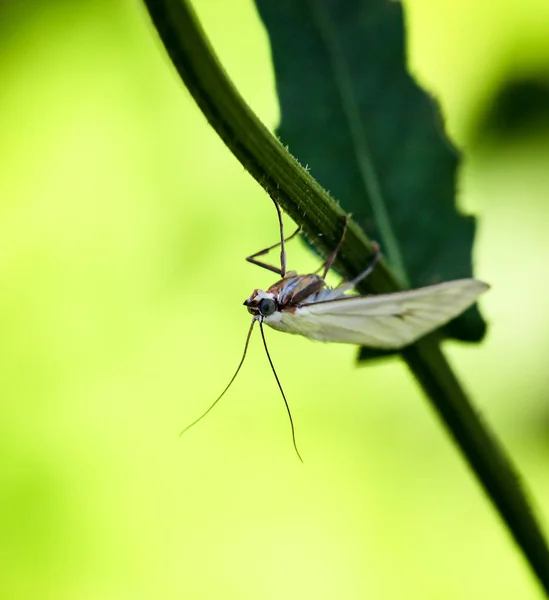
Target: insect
[(305, 305)]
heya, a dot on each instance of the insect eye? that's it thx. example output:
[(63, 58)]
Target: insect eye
[(267, 307)]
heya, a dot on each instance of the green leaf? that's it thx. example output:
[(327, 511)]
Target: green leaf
[(354, 116)]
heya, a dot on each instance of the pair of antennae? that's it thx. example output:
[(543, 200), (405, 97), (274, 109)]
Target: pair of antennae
[(236, 373)]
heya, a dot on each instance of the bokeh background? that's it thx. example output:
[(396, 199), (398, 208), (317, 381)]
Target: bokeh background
[(124, 222)]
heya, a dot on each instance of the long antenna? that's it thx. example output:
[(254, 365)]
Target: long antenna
[(230, 382), (281, 390)]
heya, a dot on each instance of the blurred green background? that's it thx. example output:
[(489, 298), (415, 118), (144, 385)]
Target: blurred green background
[(123, 226)]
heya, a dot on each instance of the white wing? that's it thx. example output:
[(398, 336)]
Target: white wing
[(388, 321)]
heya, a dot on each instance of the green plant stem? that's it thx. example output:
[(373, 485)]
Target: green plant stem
[(320, 217)]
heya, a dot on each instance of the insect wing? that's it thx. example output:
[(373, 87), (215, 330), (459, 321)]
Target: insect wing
[(388, 321)]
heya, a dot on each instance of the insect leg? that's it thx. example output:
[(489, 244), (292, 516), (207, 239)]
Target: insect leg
[(330, 260), (252, 258), (283, 240), (339, 291), (348, 285)]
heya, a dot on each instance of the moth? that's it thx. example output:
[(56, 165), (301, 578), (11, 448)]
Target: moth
[(305, 305)]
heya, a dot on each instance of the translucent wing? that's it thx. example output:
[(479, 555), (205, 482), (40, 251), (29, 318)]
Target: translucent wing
[(389, 321)]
